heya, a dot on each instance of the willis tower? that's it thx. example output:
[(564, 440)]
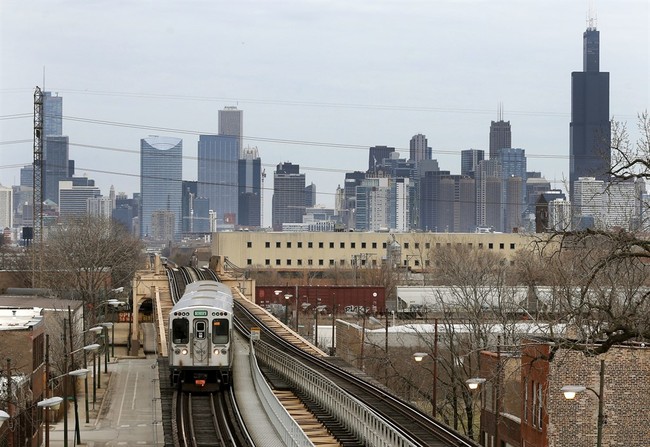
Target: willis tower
[(590, 128)]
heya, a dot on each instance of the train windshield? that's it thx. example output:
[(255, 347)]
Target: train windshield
[(220, 328), (181, 330)]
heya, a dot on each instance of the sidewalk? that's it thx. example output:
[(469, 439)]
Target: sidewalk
[(127, 405)]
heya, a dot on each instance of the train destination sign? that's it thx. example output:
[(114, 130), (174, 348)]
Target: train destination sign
[(200, 313)]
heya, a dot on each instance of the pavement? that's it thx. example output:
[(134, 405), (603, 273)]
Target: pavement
[(126, 410)]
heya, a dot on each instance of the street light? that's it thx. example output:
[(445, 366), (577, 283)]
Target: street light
[(418, 357), (287, 297), (570, 392), (95, 330), (76, 373), (106, 326), (474, 382), (52, 402)]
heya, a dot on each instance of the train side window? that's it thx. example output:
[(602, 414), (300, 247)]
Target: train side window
[(220, 331), (181, 330)]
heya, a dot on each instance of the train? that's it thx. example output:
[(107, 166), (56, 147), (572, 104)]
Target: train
[(200, 338)]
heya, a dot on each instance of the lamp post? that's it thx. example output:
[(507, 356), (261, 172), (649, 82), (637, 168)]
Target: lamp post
[(318, 309), (287, 297), (418, 357), (473, 384), (90, 348), (46, 404), (106, 326), (570, 394), (76, 373)]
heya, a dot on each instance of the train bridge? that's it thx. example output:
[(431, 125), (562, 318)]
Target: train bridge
[(372, 417)]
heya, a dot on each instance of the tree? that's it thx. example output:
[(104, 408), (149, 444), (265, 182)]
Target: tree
[(83, 259)]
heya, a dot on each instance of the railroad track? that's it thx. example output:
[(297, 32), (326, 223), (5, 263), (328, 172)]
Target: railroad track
[(206, 420), (406, 419)]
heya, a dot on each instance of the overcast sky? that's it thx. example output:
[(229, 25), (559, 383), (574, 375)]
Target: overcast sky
[(319, 81)]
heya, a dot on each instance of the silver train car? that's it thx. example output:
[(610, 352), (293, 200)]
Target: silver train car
[(200, 337)]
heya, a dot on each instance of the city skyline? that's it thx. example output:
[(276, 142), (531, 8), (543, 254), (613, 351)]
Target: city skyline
[(306, 92)]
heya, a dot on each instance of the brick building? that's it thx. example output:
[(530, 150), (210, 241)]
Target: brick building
[(545, 418)]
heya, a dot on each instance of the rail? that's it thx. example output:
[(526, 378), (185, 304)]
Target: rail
[(285, 425), (359, 419)]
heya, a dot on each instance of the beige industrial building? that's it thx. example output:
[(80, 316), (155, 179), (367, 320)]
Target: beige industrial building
[(347, 250)]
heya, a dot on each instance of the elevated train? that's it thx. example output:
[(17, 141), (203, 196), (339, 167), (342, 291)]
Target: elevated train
[(200, 337)]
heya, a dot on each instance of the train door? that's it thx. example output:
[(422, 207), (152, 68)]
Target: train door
[(200, 344)]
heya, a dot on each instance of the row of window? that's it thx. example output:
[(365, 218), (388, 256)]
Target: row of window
[(353, 245), (352, 263)]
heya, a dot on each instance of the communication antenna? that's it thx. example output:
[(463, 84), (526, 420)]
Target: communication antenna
[(592, 17)]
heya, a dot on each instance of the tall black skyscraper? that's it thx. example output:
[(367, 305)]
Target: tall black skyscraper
[(590, 129), (500, 135)]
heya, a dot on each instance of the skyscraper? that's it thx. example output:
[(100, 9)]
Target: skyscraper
[(469, 160), (217, 176), (590, 129), (418, 149), (250, 188), (376, 156), (53, 114), (231, 123), (161, 168), (288, 203), (500, 135), (57, 165)]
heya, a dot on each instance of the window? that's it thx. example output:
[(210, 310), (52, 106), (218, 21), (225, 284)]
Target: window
[(277, 262), (448, 244), (427, 245), (278, 244), (181, 330), (490, 246), (220, 331), (320, 245), (374, 245), (480, 245), (417, 262), (310, 245), (331, 244), (384, 245), (267, 245), (267, 262), (374, 263), (417, 245), (363, 262), (288, 244), (310, 262), (502, 246), (320, 262), (342, 245), (342, 262), (249, 262), (470, 245), (288, 261), (249, 244), (437, 244), (332, 262), (406, 245), (363, 245), (525, 398), (540, 406), (353, 245), (299, 261), (534, 403), (299, 244), (512, 263)]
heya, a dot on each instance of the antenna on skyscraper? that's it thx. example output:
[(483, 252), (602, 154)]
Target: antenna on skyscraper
[(500, 112), (592, 17)]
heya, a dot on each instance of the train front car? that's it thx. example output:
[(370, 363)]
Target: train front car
[(200, 329)]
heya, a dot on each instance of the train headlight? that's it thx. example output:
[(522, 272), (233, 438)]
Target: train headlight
[(184, 351), (216, 351), (224, 351), (177, 351)]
